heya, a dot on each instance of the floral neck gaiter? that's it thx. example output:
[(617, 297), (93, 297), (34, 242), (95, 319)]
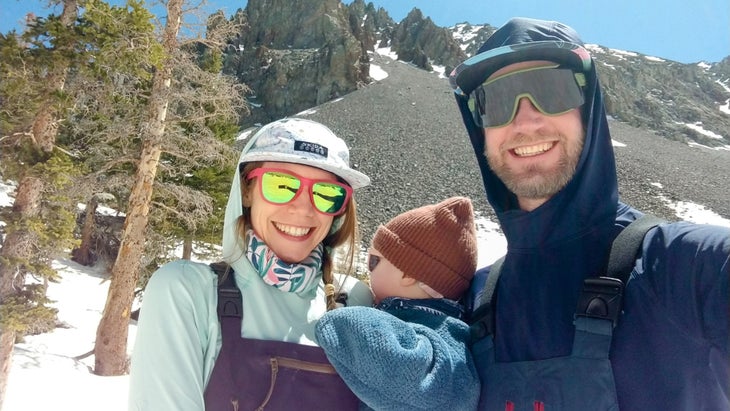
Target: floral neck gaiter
[(293, 278)]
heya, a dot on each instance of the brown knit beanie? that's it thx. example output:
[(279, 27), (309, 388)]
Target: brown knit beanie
[(435, 244)]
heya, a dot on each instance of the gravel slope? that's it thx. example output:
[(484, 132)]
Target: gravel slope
[(405, 132)]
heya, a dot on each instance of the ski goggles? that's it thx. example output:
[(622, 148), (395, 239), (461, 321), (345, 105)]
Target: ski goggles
[(552, 90), (282, 187)]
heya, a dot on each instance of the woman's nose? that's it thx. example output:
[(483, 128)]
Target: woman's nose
[(303, 202)]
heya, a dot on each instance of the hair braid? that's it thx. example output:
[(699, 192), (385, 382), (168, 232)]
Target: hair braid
[(328, 278)]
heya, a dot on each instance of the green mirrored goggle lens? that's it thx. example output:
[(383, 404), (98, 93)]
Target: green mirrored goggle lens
[(552, 91)]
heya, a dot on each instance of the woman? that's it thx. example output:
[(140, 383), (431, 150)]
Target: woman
[(290, 205)]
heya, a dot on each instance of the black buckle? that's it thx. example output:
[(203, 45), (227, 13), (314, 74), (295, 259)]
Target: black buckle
[(601, 298), (230, 303), (481, 323)]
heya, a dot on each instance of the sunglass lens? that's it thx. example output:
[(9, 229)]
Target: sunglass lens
[(279, 187), (552, 91), (329, 197), (373, 261)]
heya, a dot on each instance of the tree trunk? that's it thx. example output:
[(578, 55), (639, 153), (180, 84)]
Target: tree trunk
[(82, 254), (187, 250), (111, 335), (7, 341), (17, 247)]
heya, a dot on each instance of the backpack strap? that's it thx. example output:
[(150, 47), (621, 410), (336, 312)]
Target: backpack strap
[(600, 302), (230, 302), (626, 246), (601, 297)]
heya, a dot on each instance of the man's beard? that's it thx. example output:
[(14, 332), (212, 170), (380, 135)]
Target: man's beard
[(536, 181)]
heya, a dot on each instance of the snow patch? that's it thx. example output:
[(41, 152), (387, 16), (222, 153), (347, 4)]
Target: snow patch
[(695, 213), (697, 126), (377, 73)]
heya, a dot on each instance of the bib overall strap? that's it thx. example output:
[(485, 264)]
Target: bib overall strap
[(230, 303), (229, 296)]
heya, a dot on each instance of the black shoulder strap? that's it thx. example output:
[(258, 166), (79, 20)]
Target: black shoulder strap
[(601, 297), (230, 302), (626, 246)]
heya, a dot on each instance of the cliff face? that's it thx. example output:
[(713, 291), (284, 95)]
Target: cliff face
[(665, 96), (418, 40), (296, 55)]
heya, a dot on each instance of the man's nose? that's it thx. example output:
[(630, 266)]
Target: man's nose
[(527, 114)]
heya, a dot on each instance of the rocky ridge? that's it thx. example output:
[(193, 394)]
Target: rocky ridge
[(405, 131), (296, 55)]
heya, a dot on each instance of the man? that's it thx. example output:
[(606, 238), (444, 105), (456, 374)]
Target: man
[(532, 105)]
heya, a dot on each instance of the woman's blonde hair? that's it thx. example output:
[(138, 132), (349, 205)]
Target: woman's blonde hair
[(346, 234)]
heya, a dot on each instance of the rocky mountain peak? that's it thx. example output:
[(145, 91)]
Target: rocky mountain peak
[(298, 54)]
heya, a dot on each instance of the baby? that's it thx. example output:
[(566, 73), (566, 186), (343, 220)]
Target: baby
[(410, 350)]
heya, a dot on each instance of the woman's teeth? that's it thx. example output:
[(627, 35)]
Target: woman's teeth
[(292, 230)]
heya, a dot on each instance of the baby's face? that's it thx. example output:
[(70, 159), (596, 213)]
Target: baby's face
[(385, 278)]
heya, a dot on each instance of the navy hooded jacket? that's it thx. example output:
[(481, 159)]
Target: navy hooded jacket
[(670, 349)]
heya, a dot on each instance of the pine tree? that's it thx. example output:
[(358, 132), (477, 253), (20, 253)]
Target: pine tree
[(34, 103), (194, 205), (175, 139), (118, 92), (111, 93)]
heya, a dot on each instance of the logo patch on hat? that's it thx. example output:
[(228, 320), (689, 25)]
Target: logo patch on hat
[(308, 147)]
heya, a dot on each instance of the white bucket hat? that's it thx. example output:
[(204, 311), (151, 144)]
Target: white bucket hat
[(301, 141)]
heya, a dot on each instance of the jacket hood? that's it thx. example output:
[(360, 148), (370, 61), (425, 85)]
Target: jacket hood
[(553, 248), (592, 194), (233, 244)]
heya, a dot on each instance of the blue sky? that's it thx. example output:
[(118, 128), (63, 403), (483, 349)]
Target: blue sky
[(683, 30)]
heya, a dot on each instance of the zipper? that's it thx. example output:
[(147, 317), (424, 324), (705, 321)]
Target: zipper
[(304, 365), (277, 362)]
